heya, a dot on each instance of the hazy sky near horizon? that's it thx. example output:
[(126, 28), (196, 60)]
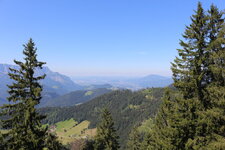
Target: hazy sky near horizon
[(97, 37)]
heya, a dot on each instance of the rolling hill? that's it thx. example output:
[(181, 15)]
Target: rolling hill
[(152, 81), (128, 109), (74, 98)]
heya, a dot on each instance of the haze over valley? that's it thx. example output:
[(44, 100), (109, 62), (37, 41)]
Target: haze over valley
[(58, 87)]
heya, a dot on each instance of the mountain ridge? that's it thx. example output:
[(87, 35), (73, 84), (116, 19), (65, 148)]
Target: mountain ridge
[(75, 97), (54, 83)]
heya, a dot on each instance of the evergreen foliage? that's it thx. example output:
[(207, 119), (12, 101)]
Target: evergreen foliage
[(89, 144), (1, 141), (128, 108), (134, 141), (106, 138), (23, 122), (212, 117), (51, 143), (193, 117)]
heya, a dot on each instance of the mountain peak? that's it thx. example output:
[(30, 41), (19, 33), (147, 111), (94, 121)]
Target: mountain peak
[(54, 81)]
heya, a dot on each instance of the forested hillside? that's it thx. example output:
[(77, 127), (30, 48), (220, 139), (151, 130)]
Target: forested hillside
[(128, 109), (73, 98)]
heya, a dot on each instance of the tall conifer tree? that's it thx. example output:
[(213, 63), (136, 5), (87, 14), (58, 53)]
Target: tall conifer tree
[(211, 130), (188, 67), (134, 141), (194, 118), (176, 121), (23, 122), (106, 138)]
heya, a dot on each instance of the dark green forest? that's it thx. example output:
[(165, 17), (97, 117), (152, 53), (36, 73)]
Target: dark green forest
[(74, 98), (128, 109)]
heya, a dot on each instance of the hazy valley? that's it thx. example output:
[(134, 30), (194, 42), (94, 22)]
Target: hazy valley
[(61, 90)]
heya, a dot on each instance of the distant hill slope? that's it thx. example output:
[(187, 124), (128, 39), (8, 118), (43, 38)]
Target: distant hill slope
[(128, 109), (152, 81), (54, 83), (98, 86), (133, 83), (76, 97)]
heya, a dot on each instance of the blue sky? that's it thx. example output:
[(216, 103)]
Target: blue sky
[(97, 37)]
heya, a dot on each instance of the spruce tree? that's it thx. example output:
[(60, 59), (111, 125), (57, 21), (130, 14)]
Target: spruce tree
[(88, 144), (211, 124), (23, 122), (52, 143), (106, 138), (188, 68), (162, 136), (1, 141), (176, 120), (134, 141), (194, 118), (190, 72), (172, 125), (146, 143)]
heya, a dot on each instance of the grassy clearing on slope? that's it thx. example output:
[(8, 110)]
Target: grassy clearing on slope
[(68, 131), (3, 131), (88, 93), (65, 125), (78, 130)]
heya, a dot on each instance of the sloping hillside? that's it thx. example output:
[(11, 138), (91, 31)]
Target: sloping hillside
[(70, 130), (128, 109), (74, 98)]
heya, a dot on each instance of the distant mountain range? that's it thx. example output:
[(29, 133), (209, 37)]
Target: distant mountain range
[(135, 83), (54, 84), (60, 90)]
